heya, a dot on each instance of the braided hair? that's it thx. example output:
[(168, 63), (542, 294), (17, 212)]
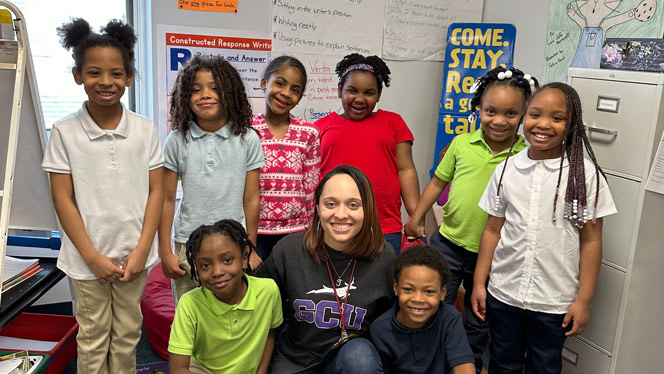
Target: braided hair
[(501, 77), (574, 142), (356, 61), (229, 228), (78, 36), (232, 95)]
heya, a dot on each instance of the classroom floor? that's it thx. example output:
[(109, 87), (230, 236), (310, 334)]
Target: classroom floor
[(144, 355)]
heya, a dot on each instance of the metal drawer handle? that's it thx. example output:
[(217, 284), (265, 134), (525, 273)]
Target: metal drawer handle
[(600, 130)]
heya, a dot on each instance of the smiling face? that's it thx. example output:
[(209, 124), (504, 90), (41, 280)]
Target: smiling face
[(206, 103), (544, 124), (359, 95), (340, 211), (501, 109), (420, 292), (219, 264), (283, 90), (103, 77)]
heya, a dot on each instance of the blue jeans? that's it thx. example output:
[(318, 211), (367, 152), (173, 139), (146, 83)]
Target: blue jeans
[(357, 356), (524, 341), (395, 241)]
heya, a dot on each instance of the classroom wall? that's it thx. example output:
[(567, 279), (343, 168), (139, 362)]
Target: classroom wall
[(530, 19)]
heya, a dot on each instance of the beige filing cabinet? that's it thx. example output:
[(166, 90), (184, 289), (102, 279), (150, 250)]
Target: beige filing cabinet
[(624, 116)]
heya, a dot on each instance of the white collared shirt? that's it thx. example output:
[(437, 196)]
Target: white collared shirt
[(110, 171), (536, 262)]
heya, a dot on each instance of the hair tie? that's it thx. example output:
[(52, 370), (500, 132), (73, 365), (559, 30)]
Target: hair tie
[(365, 67)]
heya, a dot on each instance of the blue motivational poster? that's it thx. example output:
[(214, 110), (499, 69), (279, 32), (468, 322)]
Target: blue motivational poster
[(472, 50)]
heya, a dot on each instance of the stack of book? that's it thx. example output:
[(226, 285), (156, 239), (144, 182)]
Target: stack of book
[(17, 270)]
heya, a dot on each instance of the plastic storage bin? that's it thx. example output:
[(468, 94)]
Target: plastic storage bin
[(47, 327)]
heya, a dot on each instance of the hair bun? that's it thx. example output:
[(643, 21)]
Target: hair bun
[(73, 32), (122, 32)]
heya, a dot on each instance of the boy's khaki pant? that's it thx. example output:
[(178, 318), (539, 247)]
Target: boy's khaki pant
[(109, 325), (198, 369), (184, 283)]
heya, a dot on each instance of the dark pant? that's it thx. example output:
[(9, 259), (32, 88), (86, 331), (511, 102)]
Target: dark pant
[(395, 241), (462, 268), (522, 337), (357, 356), (265, 243)]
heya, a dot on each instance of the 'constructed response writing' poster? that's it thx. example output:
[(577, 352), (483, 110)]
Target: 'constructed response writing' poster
[(247, 52)]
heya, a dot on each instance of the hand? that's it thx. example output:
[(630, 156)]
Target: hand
[(134, 264), (579, 314), (414, 230), (170, 265), (478, 301), (570, 9), (255, 260), (105, 269)]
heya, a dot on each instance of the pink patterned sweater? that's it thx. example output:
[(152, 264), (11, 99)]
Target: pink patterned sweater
[(289, 177)]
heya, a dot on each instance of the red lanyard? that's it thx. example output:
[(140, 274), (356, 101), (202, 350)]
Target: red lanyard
[(342, 312)]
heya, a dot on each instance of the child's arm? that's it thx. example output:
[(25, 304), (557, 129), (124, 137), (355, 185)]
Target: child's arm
[(410, 185), (134, 264), (431, 193), (169, 261), (62, 190), (466, 368), (311, 175), (178, 364), (589, 265), (488, 243), (267, 353), (251, 205)]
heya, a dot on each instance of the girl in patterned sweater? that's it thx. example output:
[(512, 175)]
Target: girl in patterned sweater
[(292, 155)]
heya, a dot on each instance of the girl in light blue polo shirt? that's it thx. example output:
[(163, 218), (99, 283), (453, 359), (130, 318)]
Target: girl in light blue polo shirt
[(216, 155)]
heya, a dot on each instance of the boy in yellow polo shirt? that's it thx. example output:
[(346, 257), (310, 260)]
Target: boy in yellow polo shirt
[(501, 97), (227, 325)]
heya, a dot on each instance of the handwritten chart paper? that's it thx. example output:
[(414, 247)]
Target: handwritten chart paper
[(655, 182), (321, 96), (328, 27), (416, 29), (223, 6)]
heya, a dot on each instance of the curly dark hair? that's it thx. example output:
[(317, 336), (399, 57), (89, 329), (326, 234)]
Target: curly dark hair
[(78, 36), (229, 228), (423, 255), (289, 61), (380, 69), (232, 95)]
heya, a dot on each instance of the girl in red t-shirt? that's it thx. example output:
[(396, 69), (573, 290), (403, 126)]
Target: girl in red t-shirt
[(378, 143)]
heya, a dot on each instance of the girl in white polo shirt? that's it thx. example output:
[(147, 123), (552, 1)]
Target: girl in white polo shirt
[(105, 167), (540, 251)]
